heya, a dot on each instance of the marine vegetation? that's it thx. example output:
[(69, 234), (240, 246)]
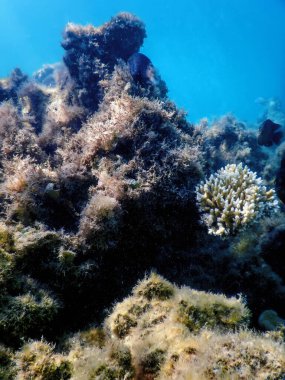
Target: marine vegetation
[(280, 179), (99, 177), (162, 332)]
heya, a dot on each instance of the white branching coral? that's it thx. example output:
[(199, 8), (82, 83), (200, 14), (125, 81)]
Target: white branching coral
[(232, 198)]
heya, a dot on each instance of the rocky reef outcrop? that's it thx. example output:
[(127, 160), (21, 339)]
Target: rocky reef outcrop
[(98, 179)]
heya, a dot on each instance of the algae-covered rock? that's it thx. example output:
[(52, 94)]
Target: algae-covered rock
[(91, 53), (191, 334), (7, 364), (38, 361), (6, 269), (160, 343), (97, 187), (30, 313), (168, 304)]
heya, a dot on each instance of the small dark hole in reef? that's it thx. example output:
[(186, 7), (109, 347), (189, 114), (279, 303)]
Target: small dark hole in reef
[(125, 148)]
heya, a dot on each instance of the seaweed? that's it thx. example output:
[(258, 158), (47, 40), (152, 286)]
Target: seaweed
[(98, 175)]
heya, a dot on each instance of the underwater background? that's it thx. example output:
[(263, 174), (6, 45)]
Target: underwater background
[(136, 242), (215, 56)]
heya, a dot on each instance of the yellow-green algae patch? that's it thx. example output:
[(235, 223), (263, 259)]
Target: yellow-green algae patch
[(162, 332)]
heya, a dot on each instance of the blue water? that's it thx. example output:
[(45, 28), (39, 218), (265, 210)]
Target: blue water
[(217, 56)]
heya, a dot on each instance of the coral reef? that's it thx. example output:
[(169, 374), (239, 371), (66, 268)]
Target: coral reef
[(232, 198), (98, 176)]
